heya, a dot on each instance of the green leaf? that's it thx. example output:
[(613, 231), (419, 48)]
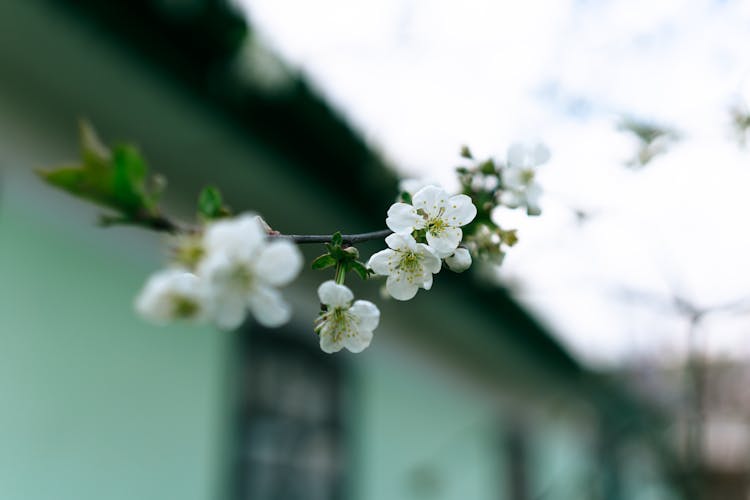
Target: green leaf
[(359, 268), (210, 203), (323, 262), (93, 152), (116, 179), (336, 239), (129, 180), (405, 197), (466, 152), (487, 167)]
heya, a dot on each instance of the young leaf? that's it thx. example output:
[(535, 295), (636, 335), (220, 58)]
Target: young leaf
[(324, 262), (114, 179), (94, 153), (336, 239), (211, 204), (359, 268), (129, 180)]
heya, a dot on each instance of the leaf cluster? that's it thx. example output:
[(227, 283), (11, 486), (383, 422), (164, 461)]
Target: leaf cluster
[(342, 256), (211, 204), (116, 178)]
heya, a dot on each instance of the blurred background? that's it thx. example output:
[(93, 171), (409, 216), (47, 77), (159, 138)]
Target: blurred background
[(605, 359)]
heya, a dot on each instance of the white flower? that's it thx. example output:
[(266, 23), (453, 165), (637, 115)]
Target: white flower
[(243, 269), (344, 324), (459, 261), (173, 294), (519, 188), (437, 212), (486, 244), (409, 265)]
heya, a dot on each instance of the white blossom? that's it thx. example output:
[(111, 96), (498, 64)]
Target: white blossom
[(172, 294), (409, 265), (244, 269), (459, 261), (487, 244), (519, 186), (440, 214), (344, 324)]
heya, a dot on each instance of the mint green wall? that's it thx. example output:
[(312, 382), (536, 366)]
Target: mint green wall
[(562, 458), (95, 404), (421, 435)]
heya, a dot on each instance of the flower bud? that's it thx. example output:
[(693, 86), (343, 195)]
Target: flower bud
[(460, 261)]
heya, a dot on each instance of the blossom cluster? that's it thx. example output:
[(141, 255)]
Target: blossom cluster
[(435, 217), (492, 185), (224, 267), (221, 274), (233, 266)]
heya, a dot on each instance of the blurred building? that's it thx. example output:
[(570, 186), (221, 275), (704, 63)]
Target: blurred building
[(707, 422), (461, 396)]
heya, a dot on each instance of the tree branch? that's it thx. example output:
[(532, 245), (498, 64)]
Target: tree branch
[(326, 238), (162, 223)]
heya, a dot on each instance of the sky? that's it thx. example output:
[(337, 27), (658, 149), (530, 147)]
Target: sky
[(418, 79)]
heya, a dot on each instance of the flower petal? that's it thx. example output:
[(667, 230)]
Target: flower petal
[(446, 242), (383, 261), (335, 295), (230, 311), (460, 261), (401, 242), (459, 211), (359, 341), (367, 314), (430, 199), (403, 218), (516, 155), (241, 235), (513, 178), (399, 287), (278, 263), (430, 260), (164, 293), (533, 193), (539, 154), (511, 199), (427, 283), (328, 345), (268, 306)]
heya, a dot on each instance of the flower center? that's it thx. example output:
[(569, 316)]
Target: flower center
[(184, 307), (338, 323), (240, 277), (410, 263), (527, 175), (436, 226)]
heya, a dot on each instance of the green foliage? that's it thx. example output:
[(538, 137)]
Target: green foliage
[(359, 268), (323, 262), (116, 179), (466, 152), (211, 204), (343, 257)]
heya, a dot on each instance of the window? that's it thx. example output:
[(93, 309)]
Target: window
[(291, 436)]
